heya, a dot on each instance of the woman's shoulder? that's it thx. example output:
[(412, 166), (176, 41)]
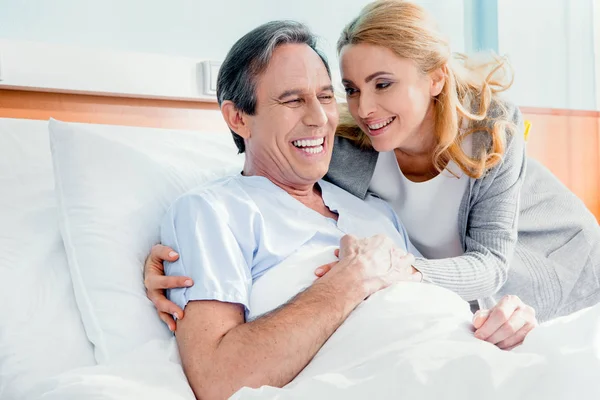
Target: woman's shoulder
[(500, 109), (351, 167), (504, 109), (507, 115)]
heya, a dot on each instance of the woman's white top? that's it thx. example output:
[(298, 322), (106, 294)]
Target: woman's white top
[(429, 210)]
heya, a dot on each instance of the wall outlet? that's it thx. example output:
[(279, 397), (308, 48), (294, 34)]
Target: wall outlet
[(210, 71)]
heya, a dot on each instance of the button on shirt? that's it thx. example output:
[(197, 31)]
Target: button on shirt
[(230, 232)]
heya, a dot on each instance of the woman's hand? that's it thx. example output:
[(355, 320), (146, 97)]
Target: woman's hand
[(156, 282), (507, 324), (412, 275)]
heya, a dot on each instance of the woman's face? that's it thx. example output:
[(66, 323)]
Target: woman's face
[(389, 98)]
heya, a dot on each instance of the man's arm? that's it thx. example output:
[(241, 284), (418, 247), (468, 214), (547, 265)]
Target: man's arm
[(221, 353)]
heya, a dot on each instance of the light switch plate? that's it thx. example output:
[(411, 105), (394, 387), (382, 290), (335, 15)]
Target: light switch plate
[(210, 71)]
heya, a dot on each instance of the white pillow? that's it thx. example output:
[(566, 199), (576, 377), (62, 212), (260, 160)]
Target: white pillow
[(41, 334), (113, 185)]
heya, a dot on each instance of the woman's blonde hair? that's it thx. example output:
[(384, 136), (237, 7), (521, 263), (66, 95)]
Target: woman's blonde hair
[(471, 83)]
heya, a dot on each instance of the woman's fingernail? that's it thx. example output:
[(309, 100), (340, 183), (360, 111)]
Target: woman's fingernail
[(173, 254), (318, 271), (188, 283)]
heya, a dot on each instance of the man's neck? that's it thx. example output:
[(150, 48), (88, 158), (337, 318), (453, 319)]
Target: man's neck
[(298, 190), (309, 194)]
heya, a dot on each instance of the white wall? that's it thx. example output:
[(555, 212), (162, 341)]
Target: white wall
[(550, 42), (193, 28), (551, 46)]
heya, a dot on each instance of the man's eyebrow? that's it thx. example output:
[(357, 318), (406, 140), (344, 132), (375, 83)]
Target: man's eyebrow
[(290, 92), (368, 78), (298, 92)]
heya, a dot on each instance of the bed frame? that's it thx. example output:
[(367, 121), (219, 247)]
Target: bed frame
[(566, 141)]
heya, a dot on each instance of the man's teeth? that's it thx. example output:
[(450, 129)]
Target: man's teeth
[(308, 143), (312, 150), (381, 124)]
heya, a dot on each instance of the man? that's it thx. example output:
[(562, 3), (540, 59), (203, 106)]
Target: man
[(275, 93)]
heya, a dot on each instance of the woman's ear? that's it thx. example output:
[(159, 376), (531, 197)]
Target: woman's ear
[(235, 119), (438, 80)]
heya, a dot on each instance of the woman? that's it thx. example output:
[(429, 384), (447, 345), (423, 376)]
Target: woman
[(428, 132)]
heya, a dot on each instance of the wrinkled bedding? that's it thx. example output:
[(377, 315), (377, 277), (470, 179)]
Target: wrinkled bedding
[(410, 341)]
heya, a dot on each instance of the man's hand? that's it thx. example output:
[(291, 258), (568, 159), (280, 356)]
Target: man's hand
[(156, 282), (507, 324), (374, 262), (401, 260)]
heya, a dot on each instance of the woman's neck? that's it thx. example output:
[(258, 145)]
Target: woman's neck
[(415, 159), (417, 168)]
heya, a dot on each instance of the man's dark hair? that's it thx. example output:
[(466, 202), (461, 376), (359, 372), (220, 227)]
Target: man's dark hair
[(250, 56)]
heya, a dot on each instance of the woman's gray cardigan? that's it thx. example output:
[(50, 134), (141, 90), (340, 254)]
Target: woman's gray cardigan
[(554, 265)]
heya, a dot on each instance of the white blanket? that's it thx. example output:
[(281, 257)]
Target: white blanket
[(410, 341), (415, 341)]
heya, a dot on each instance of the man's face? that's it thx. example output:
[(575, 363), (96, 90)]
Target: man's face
[(291, 134)]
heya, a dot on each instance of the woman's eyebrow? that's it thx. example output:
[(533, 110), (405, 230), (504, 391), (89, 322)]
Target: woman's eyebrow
[(375, 75), (368, 78)]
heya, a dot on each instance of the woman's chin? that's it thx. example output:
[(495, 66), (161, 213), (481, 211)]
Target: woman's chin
[(382, 145)]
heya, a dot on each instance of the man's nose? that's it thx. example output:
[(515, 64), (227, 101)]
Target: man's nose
[(315, 115)]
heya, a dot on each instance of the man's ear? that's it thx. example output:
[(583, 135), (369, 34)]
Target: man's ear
[(235, 119), (438, 80)]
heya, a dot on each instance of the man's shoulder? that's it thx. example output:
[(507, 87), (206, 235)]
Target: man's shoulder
[(218, 193), (224, 186)]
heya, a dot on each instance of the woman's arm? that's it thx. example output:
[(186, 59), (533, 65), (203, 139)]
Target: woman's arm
[(491, 227)]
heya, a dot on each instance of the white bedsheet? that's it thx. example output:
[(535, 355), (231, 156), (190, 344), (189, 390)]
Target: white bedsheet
[(394, 345), (151, 372), (41, 333), (410, 341), (414, 341), (399, 344)]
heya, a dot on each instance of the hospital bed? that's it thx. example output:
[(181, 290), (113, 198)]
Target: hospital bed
[(85, 180)]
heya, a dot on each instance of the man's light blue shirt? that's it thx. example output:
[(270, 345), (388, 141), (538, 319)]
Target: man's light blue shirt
[(230, 232)]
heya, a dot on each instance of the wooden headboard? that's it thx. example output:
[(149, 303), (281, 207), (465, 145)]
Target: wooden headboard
[(566, 141), (170, 114)]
